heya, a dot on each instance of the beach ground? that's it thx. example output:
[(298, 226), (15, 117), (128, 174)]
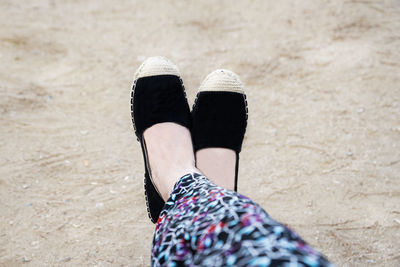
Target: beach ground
[(322, 150)]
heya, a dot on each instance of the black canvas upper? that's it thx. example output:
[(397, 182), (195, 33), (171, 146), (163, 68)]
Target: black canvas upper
[(155, 203), (159, 99), (219, 119)]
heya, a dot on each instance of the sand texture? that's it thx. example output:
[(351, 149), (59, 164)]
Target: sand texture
[(322, 151)]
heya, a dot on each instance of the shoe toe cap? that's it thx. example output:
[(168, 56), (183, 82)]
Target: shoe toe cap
[(222, 80), (154, 66)]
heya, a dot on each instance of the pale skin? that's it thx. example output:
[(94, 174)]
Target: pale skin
[(171, 156)]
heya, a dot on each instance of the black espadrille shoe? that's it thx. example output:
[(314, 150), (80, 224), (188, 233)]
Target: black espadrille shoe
[(219, 114), (158, 95)]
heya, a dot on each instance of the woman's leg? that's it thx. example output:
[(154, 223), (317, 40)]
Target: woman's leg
[(207, 225)]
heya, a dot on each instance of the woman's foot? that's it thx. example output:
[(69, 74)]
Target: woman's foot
[(219, 119), (170, 153), (161, 119)]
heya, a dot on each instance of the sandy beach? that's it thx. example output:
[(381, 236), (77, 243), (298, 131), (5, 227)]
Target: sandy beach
[(322, 150)]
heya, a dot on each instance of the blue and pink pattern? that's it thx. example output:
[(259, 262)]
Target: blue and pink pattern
[(205, 225)]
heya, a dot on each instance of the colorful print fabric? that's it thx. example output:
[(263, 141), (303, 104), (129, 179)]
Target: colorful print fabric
[(205, 225)]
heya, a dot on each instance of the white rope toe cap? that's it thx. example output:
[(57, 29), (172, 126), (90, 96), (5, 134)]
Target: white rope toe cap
[(154, 66), (222, 80)]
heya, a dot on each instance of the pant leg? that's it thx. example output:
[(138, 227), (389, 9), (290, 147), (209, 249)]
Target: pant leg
[(205, 225)]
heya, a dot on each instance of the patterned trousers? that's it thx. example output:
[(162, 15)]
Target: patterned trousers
[(203, 224)]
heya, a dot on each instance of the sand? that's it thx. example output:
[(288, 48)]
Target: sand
[(322, 151)]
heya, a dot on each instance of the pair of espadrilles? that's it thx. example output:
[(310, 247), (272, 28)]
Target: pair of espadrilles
[(218, 117)]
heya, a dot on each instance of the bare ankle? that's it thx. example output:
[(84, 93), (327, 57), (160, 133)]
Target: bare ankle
[(170, 155), (219, 165)]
